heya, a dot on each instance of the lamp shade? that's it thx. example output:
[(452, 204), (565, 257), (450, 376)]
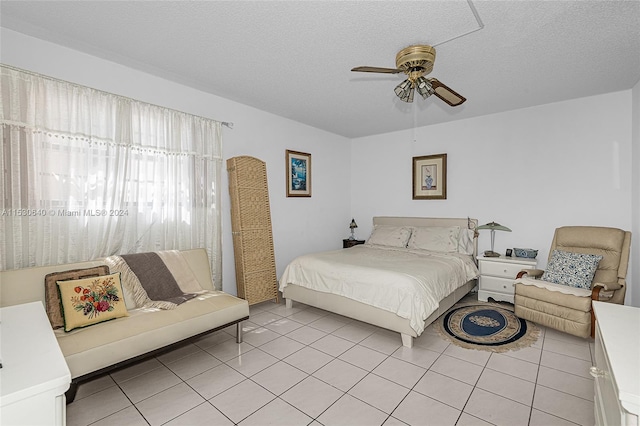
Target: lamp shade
[(353, 224), (494, 226)]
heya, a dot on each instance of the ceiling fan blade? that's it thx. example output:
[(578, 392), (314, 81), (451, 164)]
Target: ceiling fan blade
[(377, 69), (447, 94)]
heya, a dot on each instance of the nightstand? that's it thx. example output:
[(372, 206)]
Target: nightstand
[(497, 275), (350, 243)]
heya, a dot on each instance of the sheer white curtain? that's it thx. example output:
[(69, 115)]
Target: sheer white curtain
[(88, 174)]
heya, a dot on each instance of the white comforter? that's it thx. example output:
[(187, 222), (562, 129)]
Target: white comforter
[(410, 283)]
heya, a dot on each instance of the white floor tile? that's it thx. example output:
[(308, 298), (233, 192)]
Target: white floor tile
[(308, 359), (277, 413), (169, 404), (148, 384), (472, 356), (305, 317), (566, 348), (540, 418), (565, 337), (417, 409), (362, 357), (354, 332), (306, 335), (213, 339), (135, 370), (328, 324), (457, 369), (529, 354), (202, 415), (312, 396), (340, 374), (432, 341), (282, 347), (283, 311), (332, 345), (563, 405), (283, 326), (229, 349), (279, 377), (507, 386), (350, 411), (497, 409), (252, 362), (566, 382), (96, 385), (469, 420), (400, 372), (97, 406), (260, 336), (218, 379), (416, 355), (444, 389), (242, 400), (379, 392), (567, 364), (264, 317), (193, 364), (387, 343), (513, 366), (179, 352), (130, 416)]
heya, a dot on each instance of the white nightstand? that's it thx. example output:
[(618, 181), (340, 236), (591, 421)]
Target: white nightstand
[(497, 275)]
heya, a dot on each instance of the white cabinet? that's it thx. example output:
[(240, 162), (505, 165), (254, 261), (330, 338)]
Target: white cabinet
[(497, 275), (617, 365), (34, 374)]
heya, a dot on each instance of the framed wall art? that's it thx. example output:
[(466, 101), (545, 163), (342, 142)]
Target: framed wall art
[(298, 174), (430, 177)]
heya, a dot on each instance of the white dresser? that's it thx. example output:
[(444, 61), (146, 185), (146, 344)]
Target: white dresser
[(34, 374), (617, 365), (497, 275)]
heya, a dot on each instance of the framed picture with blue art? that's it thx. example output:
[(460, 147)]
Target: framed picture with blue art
[(430, 177), (298, 174)]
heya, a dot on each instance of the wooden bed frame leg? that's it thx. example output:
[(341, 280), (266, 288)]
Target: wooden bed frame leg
[(288, 303), (407, 341), (239, 332)]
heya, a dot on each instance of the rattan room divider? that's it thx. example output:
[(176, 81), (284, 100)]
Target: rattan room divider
[(251, 229)]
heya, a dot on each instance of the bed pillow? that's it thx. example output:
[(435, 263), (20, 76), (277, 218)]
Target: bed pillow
[(52, 297), (435, 238), (391, 236), (572, 269), (91, 300), (466, 241)]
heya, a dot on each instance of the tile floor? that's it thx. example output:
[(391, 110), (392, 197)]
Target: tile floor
[(305, 366)]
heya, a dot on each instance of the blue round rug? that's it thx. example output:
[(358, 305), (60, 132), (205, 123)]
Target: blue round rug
[(488, 327)]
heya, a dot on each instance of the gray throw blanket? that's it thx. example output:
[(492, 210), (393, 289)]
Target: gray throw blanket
[(155, 278)]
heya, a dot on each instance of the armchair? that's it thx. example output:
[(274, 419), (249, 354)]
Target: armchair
[(566, 308)]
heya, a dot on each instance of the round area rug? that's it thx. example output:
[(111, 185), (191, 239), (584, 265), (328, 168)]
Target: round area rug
[(488, 327)]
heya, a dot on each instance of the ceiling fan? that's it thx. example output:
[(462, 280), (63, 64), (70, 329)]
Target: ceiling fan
[(416, 62)]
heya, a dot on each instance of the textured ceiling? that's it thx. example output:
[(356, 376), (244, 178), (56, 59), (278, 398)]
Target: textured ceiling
[(293, 58)]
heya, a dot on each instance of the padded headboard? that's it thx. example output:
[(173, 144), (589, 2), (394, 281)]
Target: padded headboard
[(463, 223)]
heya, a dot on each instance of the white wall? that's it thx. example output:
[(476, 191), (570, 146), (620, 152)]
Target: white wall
[(300, 225), (534, 169), (634, 300)]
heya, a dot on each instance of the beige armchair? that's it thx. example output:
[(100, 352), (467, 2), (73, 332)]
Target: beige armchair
[(565, 308)]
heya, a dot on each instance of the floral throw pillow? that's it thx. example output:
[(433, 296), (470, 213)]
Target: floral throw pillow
[(571, 269), (91, 300)]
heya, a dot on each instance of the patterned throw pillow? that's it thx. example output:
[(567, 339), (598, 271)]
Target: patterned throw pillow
[(571, 269), (52, 297), (91, 300)]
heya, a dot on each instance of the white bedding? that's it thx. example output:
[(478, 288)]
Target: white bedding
[(410, 283)]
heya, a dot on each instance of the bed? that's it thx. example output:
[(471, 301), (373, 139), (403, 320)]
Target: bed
[(409, 272)]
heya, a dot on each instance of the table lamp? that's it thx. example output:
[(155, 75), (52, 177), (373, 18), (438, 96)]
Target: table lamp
[(353, 225), (493, 226)]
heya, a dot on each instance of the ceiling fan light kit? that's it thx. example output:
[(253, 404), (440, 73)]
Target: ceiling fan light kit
[(416, 62)]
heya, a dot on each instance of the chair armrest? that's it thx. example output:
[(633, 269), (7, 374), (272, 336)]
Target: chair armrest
[(533, 273), (610, 286)]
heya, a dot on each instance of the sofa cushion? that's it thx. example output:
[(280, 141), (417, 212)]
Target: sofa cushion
[(572, 269), (146, 329), (91, 300), (52, 297)]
